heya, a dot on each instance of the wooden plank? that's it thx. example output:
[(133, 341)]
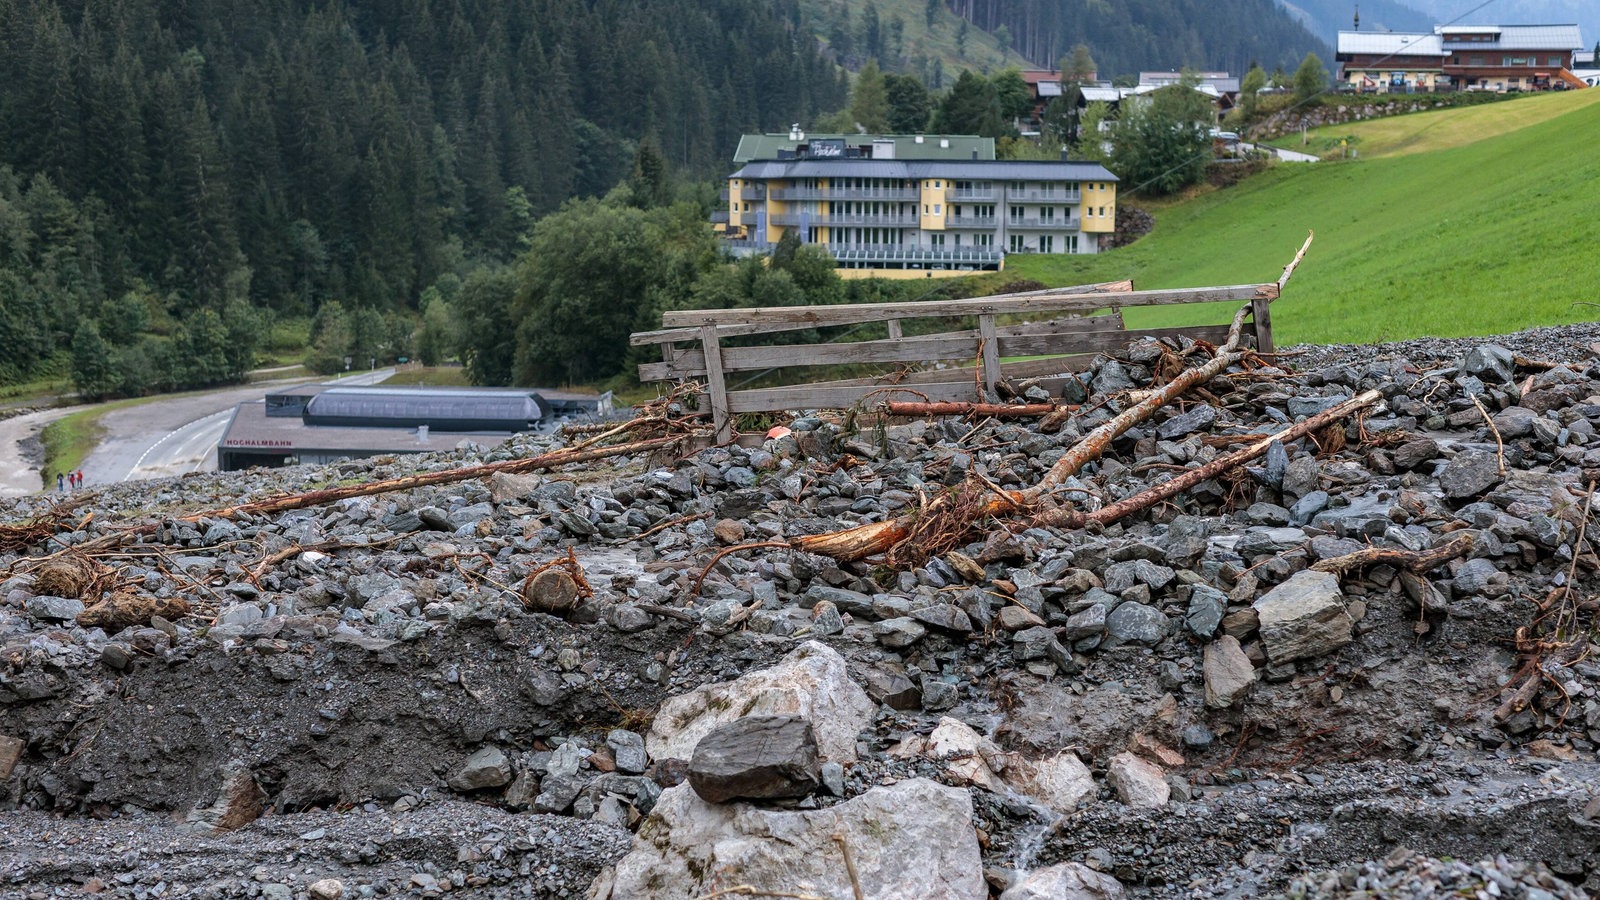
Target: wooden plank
[(1036, 344), (812, 396), (761, 320), (715, 383), (919, 348), (1261, 315), (735, 326), (989, 346), (894, 330)]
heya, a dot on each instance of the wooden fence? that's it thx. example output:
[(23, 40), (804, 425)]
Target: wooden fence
[(1068, 330)]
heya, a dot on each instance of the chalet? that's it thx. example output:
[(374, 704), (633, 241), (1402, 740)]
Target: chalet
[(1461, 57)]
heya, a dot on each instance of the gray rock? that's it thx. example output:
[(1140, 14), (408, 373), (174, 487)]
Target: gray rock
[(1088, 622), (893, 688), (1276, 465), (1207, 606), (627, 750), (240, 614), (1139, 784), (1136, 623), (1307, 507), (1300, 478), (913, 839), (1514, 422), (1112, 377), (54, 609), (825, 618), (1016, 618), (938, 694), (833, 778), (1262, 513), (1182, 425), (1032, 643), (556, 793), (1469, 474), (1304, 617), (1310, 406), (756, 757), (1491, 363), (1228, 672), (1414, 453), (1480, 576), (487, 767), (944, 616), (853, 602), (1065, 881), (901, 631), (628, 618), (1123, 575)]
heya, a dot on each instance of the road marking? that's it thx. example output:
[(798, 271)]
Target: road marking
[(143, 456)]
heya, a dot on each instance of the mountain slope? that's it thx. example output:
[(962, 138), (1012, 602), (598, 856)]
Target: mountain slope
[(1326, 18), (1481, 238)]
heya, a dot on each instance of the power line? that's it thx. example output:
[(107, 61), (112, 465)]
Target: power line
[(1399, 51)]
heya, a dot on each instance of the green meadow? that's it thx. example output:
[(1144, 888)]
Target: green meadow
[(1492, 231)]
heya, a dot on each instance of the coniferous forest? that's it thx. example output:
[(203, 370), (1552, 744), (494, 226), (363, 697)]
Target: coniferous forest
[(184, 167)]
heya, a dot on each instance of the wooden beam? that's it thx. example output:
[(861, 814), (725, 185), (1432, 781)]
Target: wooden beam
[(715, 384), (920, 348), (679, 324), (733, 327), (989, 346), (894, 330), (813, 396), (1261, 317)]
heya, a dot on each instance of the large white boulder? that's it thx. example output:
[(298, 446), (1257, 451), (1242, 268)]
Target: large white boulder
[(1059, 782), (911, 839), (812, 683), (1065, 881)]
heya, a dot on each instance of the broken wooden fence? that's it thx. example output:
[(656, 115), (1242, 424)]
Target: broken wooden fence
[(1071, 332)]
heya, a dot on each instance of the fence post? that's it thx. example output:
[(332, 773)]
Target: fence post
[(1261, 314), (894, 330), (716, 383), (990, 357)]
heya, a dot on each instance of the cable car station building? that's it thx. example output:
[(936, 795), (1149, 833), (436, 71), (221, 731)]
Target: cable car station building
[(319, 423)]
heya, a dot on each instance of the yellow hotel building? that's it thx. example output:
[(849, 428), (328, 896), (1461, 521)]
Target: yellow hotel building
[(879, 209)]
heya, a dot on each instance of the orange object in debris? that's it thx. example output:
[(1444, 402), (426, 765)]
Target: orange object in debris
[(776, 431)]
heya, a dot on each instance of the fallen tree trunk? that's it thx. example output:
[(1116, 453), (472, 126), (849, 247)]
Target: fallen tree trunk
[(1071, 518), (875, 538), (957, 408), (1414, 561), (272, 505)]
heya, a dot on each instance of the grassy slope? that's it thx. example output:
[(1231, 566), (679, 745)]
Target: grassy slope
[(1490, 237), (1422, 132)]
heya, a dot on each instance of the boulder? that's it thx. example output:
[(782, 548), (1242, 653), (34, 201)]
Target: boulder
[(756, 758), (487, 767), (1060, 782), (812, 682), (1471, 473), (1228, 672), (1139, 783), (1065, 881), (1489, 363), (911, 839), (1303, 617)]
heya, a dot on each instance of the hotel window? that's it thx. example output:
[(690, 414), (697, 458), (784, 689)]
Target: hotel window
[(936, 209), (1016, 243), (1071, 245), (1047, 244), (1102, 211), (1016, 214), (984, 240), (1047, 215), (937, 240)]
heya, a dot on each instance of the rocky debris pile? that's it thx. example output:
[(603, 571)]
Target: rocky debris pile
[(632, 646), (1407, 874)]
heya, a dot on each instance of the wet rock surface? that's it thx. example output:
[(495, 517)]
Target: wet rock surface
[(373, 697)]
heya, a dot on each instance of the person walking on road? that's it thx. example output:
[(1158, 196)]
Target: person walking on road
[(61, 483), (80, 479)]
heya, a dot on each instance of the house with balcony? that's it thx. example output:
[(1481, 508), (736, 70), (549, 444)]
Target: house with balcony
[(1461, 57), (893, 216)]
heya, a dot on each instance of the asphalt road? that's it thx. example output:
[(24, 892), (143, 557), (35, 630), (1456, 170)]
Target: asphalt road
[(160, 438)]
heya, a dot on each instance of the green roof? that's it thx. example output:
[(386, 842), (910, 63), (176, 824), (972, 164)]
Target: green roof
[(906, 146)]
